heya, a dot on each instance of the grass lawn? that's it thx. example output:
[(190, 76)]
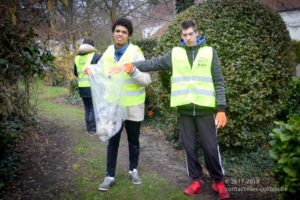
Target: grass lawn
[(91, 164)]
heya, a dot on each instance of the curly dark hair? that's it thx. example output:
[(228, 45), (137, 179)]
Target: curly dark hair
[(123, 22)]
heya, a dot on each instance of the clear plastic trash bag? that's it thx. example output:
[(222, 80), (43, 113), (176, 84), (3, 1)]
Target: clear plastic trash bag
[(106, 95)]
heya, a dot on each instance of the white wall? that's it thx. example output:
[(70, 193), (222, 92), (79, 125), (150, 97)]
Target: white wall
[(292, 21), (149, 31)]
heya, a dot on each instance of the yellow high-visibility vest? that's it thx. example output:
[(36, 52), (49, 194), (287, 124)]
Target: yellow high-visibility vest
[(134, 94), (192, 84), (81, 61)]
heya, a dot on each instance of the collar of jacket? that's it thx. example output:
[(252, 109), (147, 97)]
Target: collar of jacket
[(200, 41), (120, 52)]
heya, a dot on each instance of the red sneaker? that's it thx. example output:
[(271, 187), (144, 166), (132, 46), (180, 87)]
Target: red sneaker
[(219, 187), (193, 188)]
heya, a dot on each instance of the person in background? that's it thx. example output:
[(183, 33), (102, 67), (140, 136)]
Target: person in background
[(86, 55), (122, 51), (198, 92)]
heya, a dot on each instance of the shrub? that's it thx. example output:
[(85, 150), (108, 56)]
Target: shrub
[(285, 151), (296, 50), (73, 97), (62, 72), (253, 46), (293, 102), (147, 46)]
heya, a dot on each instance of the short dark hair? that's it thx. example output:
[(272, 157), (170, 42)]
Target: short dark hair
[(188, 24), (88, 41), (123, 22)]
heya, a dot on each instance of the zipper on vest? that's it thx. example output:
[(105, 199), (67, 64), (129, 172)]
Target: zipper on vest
[(194, 111)]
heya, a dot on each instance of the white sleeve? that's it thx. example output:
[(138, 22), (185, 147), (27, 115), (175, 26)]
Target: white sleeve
[(141, 78)]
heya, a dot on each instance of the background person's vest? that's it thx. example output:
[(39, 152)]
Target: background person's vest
[(134, 94), (81, 61), (192, 84)]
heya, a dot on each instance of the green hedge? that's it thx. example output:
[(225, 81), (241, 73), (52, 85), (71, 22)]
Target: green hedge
[(253, 45), (296, 50), (147, 46), (294, 99)]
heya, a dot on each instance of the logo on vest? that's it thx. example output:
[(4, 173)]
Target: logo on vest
[(202, 61)]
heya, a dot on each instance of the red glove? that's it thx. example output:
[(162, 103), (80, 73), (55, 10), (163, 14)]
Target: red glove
[(150, 113), (220, 120), (128, 67)]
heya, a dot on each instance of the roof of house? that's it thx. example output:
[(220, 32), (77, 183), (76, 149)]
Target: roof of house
[(161, 31), (160, 13), (282, 5), (277, 5)]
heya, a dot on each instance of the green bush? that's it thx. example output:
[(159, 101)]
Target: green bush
[(62, 71), (73, 97), (293, 104), (296, 50), (285, 151), (147, 46), (253, 45)]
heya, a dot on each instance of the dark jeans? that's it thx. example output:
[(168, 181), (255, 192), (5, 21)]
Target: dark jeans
[(133, 133), (89, 114), (201, 129)]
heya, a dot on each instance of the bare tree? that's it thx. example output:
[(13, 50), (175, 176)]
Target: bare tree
[(69, 20)]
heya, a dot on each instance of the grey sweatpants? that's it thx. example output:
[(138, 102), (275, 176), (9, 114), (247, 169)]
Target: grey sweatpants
[(202, 129)]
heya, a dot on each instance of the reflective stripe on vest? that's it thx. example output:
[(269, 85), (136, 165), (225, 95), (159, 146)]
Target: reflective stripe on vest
[(192, 84), (81, 61), (134, 94)]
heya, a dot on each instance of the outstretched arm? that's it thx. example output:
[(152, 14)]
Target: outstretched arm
[(163, 62), (158, 63)]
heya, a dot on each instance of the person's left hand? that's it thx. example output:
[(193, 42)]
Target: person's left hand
[(220, 120), (115, 70)]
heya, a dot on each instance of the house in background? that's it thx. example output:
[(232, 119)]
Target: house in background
[(289, 10), (158, 19), (162, 14)]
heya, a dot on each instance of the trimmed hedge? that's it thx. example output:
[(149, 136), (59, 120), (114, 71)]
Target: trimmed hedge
[(147, 46), (293, 104), (253, 45), (296, 50)]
